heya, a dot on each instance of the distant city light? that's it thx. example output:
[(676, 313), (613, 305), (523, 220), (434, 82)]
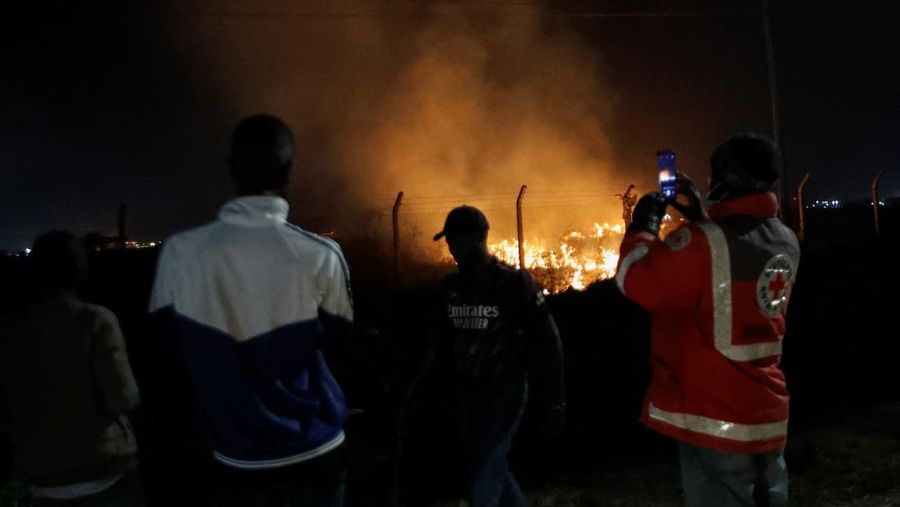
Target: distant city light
[(826, 204), (132, 244), (27, 251)]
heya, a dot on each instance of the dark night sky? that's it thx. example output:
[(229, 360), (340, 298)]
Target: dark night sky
[(103, 104)]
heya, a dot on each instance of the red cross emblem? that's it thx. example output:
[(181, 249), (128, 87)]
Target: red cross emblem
[(777, 285), (774, 284)]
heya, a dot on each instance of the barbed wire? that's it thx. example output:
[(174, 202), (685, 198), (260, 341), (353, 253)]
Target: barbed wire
[(531, 6)]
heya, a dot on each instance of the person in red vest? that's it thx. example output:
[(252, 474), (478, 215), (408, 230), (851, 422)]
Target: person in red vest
[(717, 289)]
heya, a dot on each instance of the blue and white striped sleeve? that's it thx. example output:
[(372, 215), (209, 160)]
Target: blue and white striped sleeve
[(337, 297)]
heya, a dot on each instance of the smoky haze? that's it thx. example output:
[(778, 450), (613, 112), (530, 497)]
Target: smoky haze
[(448, 103)]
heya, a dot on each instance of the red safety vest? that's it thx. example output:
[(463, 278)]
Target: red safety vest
[(718, 294)]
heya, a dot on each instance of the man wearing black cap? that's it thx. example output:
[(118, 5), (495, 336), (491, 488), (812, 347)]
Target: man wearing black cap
[(717, 289), (498, 322)]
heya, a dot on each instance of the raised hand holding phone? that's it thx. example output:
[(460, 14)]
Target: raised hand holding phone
[(665, 162), (648, 213), (692, 207)]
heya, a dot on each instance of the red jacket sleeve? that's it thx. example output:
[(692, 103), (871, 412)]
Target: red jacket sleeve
[(663, 275)]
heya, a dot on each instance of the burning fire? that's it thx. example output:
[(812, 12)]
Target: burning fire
[(578, 259)]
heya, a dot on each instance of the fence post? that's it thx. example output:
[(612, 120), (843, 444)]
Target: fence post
[(395, 220), (875, 204), (519, 227), (801, 232)]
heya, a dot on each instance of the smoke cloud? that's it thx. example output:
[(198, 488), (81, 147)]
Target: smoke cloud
[(448, 102)]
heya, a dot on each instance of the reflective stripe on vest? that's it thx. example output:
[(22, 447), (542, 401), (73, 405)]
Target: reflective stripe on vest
[(721, 300), (633, 256), (721, 429)]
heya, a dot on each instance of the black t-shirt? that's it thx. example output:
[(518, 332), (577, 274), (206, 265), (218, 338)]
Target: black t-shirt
[(486, 313)]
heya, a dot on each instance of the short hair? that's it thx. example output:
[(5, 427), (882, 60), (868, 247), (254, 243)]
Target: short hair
[(58, 259), (262, 152)]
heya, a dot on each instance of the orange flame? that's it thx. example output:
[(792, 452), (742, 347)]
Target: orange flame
[(577, 260)]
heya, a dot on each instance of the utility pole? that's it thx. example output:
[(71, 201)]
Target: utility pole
[(783, 183)]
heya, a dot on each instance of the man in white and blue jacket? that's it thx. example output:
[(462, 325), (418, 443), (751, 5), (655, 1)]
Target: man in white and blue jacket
[(252, 301)]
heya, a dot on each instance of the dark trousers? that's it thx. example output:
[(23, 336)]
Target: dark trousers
[(126, 492), (319, 482), (723, 479), (490, 418)]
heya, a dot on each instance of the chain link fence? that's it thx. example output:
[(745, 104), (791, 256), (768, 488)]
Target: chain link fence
[(555, 226)]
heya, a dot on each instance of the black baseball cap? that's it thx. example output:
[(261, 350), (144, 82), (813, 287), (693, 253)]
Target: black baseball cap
[(464, 220), (744, 164)]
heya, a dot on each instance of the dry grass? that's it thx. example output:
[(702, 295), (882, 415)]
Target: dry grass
[(852, 462)]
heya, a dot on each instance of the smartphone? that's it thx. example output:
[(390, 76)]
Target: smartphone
[(665, 162)]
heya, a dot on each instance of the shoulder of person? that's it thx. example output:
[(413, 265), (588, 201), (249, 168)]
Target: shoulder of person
[(687, 235), (524, 278), (183, 241), (525, 285), (100, 315), (317, 242), (680, 238), (506, 271)]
